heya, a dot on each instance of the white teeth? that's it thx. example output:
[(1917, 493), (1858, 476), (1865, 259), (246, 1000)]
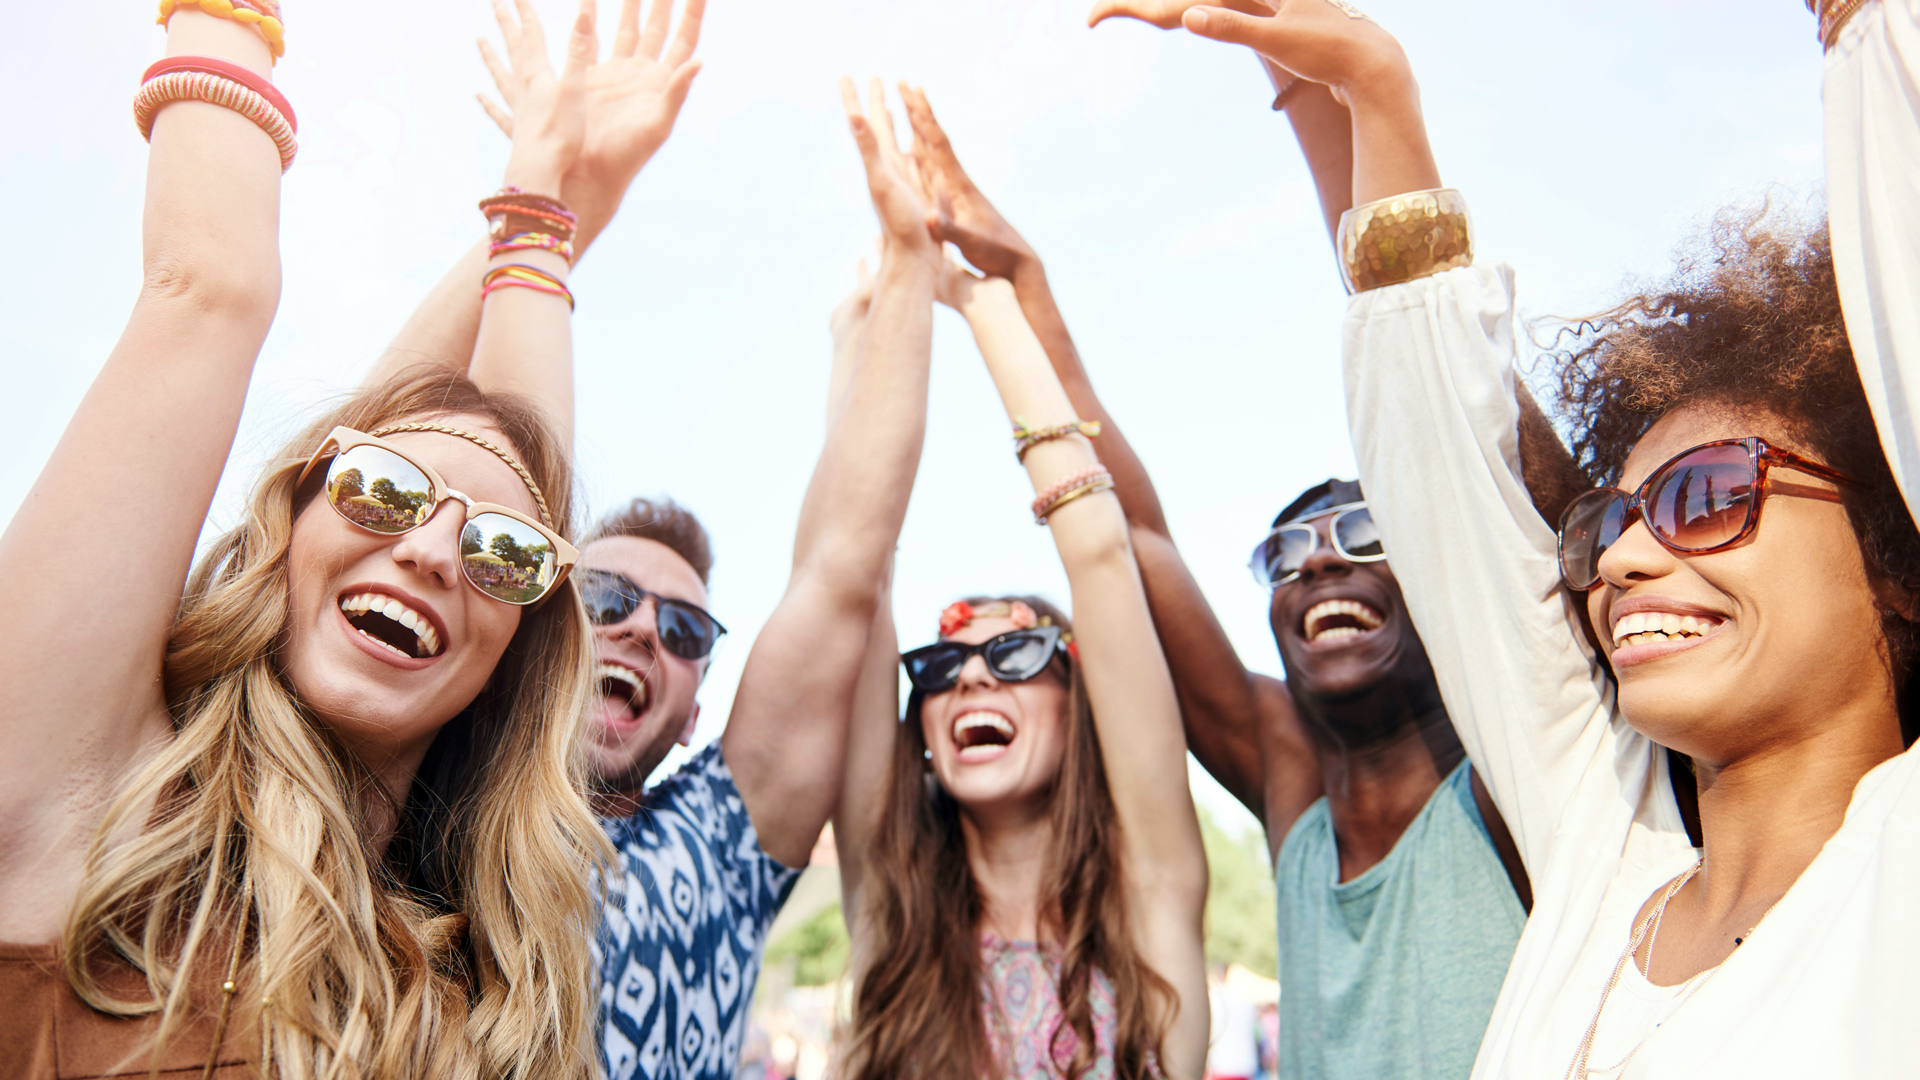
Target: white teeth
[(1642, 627), (637, 691), (968, 721), (1326, 610), (381, 604)]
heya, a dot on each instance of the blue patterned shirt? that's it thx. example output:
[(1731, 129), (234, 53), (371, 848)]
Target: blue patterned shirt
[(683, 925)]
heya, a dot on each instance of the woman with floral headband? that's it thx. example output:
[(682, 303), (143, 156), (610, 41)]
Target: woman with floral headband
[(1020, 857), (1754, 578), (311, 810)]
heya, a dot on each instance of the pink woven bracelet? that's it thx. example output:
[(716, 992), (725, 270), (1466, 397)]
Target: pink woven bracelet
[(220, 90), (1053, 491)]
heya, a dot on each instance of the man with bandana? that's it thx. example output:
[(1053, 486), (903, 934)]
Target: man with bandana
[(1401, 894)]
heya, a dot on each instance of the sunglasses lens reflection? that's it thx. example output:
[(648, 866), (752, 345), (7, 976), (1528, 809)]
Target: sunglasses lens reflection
[(1358, 539), (378, 490), (1020, 656), (1702, 500), (507, 559), (606, 602), (937, 668), (1283, 553), (1588, 529), (685, 633)]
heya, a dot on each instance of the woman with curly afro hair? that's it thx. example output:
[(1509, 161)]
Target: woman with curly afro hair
[(1751, 572)]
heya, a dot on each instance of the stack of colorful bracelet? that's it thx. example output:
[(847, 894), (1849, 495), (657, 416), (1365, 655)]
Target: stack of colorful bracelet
[(525, 277), (529, 241), (1087, 481), (512, 213), (1026, 438), (262, 15), (217, 82)]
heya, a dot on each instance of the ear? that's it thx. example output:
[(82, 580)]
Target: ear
[(686, 733), (1889, 594)]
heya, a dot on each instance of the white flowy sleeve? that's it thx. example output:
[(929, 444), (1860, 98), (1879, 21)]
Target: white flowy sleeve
[(1872, 99), (1430, 402)]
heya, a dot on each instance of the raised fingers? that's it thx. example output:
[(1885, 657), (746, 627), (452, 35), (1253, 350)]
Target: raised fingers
[(583, 45), (862, 130), (627, 36), (530, 47), (881, 118), (928, 133), (499, 115), (655, 34), (502, 77), (689, 34)]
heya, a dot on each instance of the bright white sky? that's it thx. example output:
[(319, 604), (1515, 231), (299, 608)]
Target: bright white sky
[(1171, 206)]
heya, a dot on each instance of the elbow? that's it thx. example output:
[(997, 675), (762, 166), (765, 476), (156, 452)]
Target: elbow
[(1102, 546), (234, 290)]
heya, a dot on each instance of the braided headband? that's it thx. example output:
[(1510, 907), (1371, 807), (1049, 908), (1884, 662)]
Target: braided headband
[(525, 477)]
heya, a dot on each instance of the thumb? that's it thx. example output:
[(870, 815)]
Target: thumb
[(1221, 24)]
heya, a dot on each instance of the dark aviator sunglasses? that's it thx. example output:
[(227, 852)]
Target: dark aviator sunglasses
[(687, 631), (1015, 656)]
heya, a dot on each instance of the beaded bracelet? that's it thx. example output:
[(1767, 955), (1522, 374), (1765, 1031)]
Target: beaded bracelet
[(239, 73), (520, 275), (1025, 438), (1409, 236), (1091, 488), (534, 240), (1053, 494), (1833, 18), (215, 90), (262, 15)]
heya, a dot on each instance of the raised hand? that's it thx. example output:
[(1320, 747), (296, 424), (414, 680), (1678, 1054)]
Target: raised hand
[(1164, 14), (549, 112), (963, 216), (633, 100), (893, 181)]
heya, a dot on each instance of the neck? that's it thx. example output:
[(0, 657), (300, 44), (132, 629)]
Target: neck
[(1007, 853), (1765, 816), (395, 776), (1373, 794)]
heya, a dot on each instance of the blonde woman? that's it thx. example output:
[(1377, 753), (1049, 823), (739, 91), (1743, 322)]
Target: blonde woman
[(312, 809), (1021, 858)]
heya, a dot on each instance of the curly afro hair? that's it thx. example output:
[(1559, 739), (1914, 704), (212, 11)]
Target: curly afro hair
[(1749, 321)]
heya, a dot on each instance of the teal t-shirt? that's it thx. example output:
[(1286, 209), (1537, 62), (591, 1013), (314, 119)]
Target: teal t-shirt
[(1393, 974)]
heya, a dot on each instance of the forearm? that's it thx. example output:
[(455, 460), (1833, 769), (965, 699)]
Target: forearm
[(1324, 129), (869, 756), (857, 499), (1391, 154), (525, 340)]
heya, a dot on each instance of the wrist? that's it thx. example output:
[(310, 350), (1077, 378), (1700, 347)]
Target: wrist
[(535, 173)]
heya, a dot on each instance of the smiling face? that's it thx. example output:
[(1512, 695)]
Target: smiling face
[(1341, 627), (386, 640), (1722, 652), (646, 700), (997, 747)]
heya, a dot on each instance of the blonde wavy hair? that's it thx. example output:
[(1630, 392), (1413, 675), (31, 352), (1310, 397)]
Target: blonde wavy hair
[(463, 951)]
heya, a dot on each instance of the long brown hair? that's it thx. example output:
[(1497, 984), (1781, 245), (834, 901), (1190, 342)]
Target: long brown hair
[(917, 994), (463, 951)]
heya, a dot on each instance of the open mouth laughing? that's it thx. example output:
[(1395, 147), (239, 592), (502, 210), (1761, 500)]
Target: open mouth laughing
[(982, 735), (391, 625), (1331, 621), (624, 692)]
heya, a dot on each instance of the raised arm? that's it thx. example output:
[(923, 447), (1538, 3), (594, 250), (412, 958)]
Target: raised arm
[(787, 736), (1134, 705), (1241, 726), (119, 506), (633, 99)]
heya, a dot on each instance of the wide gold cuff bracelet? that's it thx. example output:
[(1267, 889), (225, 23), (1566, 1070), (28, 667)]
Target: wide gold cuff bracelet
[(1405, 237), (1833, 17)]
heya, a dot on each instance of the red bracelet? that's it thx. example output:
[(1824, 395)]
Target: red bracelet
[(1092, 474), (238, 73)]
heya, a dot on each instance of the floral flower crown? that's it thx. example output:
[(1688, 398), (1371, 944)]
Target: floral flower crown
[(959, 613)]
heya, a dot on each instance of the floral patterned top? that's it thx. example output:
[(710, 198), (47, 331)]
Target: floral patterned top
[(1019, 992)]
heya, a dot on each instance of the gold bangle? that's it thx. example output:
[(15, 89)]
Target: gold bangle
[(1405, 237), (1833, 18), (1097, 486)]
